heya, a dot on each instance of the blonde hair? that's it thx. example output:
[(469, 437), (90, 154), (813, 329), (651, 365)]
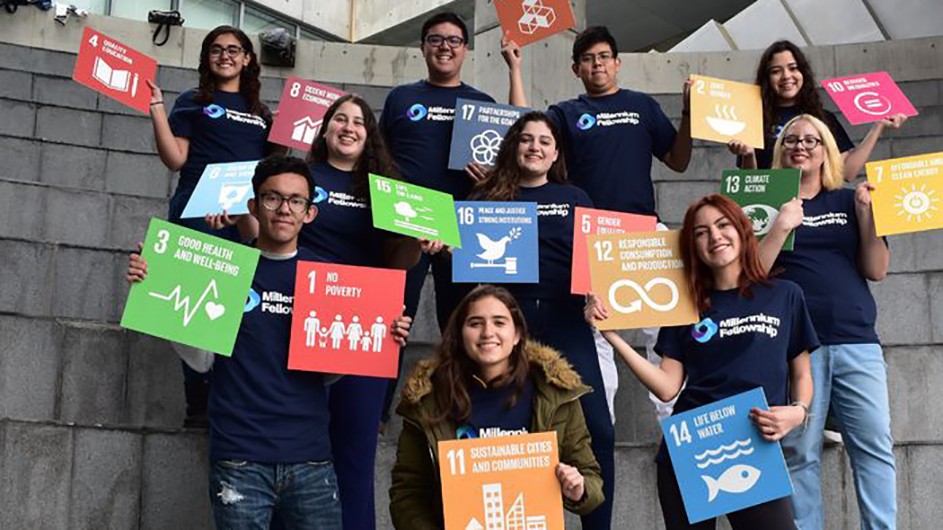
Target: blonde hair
[(833, 168)]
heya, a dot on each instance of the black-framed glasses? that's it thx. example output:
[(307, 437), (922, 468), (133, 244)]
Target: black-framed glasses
[(603, 57), (809, 142), (232, 51), (436, 40), (273, 201)]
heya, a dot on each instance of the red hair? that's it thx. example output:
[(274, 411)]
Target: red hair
[(700, 277)]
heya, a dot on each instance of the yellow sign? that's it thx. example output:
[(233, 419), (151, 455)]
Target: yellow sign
[(906, 196), (640, 278), (504, 482), (723, 110)]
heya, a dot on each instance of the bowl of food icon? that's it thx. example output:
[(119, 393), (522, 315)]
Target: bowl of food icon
[(726, 127)]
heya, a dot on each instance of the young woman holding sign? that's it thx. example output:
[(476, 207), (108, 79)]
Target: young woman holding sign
[(488, 376), (530, 168), (836, 252), (721, 358), (788, 88)]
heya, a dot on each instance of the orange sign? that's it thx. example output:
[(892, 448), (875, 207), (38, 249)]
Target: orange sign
[(906, 196), (723, 110), (528, 21), (640, 278), (115, 69), (591, 221), (502, 482)]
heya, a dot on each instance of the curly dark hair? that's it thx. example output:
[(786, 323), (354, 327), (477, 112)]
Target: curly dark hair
[(375, 157), (808, 99), (503, 182), (453, 375), (249, 84)]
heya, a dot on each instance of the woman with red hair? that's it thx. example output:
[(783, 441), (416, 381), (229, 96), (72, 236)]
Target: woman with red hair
[(719, 356)]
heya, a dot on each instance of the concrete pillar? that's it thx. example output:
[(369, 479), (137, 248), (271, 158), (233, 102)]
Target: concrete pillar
[(547, 75)]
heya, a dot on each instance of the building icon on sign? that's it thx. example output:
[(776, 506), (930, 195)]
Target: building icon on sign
[(305, 130), (516, 518)]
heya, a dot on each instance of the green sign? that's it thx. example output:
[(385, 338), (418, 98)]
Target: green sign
[(195, 290), (761, 192), (413, 210)]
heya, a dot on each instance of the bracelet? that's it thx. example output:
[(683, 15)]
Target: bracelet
[(161, 102), (805, 408)]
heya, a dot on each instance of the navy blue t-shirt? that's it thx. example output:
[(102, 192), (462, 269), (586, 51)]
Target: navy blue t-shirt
[(609, 142), (417, 124), (224, 131), (556, 210), (824, 263), (491, 416), (782, 115), (259, 410), (343, 230)]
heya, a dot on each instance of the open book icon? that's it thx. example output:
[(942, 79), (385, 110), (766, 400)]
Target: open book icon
[(120, 80)]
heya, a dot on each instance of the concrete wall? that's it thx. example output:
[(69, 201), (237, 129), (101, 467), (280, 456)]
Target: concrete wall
[(89, 413)]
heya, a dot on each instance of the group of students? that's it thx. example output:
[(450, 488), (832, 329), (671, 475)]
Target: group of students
[(292, 448)]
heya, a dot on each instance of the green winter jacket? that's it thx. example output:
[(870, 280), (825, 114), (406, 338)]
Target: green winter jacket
[(415, 494)]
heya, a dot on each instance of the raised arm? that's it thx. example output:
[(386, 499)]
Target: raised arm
[(874, 258), (790, 216), (679, 156), (856, 158), (512, 56), (171, 149)]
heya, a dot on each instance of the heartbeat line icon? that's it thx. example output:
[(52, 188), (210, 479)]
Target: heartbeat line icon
[(213, 310)]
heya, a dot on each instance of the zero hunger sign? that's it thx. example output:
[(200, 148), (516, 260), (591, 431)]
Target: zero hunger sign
[(722, 110)]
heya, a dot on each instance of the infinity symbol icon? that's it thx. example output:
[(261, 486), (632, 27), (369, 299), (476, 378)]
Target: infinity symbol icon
[(643, 294)]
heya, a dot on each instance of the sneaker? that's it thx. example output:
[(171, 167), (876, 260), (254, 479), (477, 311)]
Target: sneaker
[(832, 437)]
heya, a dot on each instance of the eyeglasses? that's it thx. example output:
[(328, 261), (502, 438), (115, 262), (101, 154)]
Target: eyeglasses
[(809, 142), (436, 40), (273, 201), (603, 57), (232, 51)]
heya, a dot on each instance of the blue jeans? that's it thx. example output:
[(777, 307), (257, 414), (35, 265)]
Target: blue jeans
[(247, 495), (852, 378)]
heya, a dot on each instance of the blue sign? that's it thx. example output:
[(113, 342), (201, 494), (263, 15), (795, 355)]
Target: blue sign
[(478, 130), (500, 243), (720, 460), (222, 187)]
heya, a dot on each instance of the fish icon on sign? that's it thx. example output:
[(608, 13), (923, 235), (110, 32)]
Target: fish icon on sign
[(736, 479)]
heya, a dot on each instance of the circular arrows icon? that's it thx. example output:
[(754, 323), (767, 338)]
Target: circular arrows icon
[(643, 293)]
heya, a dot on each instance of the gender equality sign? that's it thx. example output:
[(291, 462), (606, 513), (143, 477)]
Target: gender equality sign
[(760, 193), (222, 187), (301, 112), (723, 110), (413, 210), (594, 222), (501, 482), (528, 21), (342, 319), (906, 196), (115, 70), (500, 243), (864, 98), (479, 130), (640, 278), (195, 290), (721, 462)]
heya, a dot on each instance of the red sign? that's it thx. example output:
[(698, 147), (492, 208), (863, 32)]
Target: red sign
[(114, 69), (866, 98), (528, 21), (300, 112), (595, 222), (342, 319)]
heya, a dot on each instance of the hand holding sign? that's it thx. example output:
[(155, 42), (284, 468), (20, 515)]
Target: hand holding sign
[(115, 70)]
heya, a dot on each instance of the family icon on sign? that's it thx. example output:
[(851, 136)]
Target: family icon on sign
[(358, 338)]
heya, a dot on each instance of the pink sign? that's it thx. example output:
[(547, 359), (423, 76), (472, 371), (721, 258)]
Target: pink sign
[(115, 69), (590, 221), (866, 98), (300, 111)]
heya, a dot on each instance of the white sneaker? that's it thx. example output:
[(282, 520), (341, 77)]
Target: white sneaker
[(832, 437)]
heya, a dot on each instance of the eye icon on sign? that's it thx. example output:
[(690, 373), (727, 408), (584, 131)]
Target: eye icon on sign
[(872, 103)]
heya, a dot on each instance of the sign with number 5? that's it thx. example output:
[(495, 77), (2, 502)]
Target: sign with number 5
[(301, 111)]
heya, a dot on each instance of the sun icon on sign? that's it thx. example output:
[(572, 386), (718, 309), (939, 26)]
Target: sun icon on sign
[(916, 204)]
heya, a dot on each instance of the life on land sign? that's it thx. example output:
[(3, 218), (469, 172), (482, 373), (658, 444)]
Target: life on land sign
[(301, 112), (500, 243), (343, 317), (114, 69), (865, 98), (413, 210), (724, 110), (640, 278), (906, 195), (760, 193), (528, 21), (196, 288), (590, 221), (225, 186), (501, 482), (721, 461), (478, 131)]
